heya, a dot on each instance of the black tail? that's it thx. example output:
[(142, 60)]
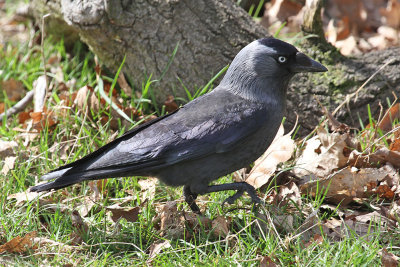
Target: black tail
[(59, 183), (70, 176)]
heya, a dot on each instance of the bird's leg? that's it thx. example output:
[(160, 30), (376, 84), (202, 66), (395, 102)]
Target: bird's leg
[(190, 198), (232, 199), (240, 187)]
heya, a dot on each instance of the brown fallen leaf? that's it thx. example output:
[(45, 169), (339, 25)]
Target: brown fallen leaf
[(220, 226), (170, 104), (392, 13), (280, 150), (344, 185), (289, 194), (157, 248), (280, 10), (44, 119), (14, 89), (124, 84), (129, 214), (267, 262), (80, 228), (19, 244), (323, 154), (86, 205), (392, 114), (171, 225), (389, 259), (395, 145), (316, 239), (86, 98), (377, 158), (24, 116)]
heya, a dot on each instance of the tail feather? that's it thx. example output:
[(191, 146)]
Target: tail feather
[(54, 174), (70, 176), (59, 183)]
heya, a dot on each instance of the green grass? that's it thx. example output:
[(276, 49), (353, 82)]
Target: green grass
[(105, 245)]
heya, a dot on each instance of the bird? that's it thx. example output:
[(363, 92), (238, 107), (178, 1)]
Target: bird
[(209, 137)]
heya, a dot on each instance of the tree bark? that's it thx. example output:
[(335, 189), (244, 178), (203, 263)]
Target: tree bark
[(210, 33)]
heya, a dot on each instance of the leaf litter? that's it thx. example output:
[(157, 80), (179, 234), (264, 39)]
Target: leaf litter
[(331, 165)]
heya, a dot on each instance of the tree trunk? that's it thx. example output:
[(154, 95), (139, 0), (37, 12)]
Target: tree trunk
[(210, 33)]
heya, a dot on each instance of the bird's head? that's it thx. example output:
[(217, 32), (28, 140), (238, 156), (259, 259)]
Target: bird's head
[(268, 64)]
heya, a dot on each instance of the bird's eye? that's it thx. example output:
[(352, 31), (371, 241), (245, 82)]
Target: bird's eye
[(282, 59)]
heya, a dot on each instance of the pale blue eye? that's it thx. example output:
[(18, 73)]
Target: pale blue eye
[(282, 59)]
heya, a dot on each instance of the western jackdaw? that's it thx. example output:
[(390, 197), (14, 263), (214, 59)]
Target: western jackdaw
[(209, 137)]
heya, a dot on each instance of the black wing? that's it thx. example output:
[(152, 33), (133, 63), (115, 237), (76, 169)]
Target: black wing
[(210, 124)]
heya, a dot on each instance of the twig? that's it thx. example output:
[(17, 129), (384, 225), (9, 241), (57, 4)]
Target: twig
[(42, 51), (19, 106)]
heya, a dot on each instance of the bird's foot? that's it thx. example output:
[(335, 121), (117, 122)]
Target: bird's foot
[(232, 199), (190, 199), (240, 187)]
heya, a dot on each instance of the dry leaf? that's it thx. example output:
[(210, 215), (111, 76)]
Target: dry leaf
[(86, 206), (267, 262), (195, 220), (7, 148), (61, 149), (387, 121), (389, 259), (44, 119), (379, 157), (156, 249), (392, 14), (19, 244), (316, 239), (24, 116), (395, 145), (124, 84), (148, 187), (14, 89), (289, 194), (279, 11), (9, 163), (80, 228), (284, 222), (394, 211), (344, 185), (356, 224), (27, 196), (323, 154), (348, 46), (171, 225), (220, 226), (170, 104), (280, 150), (129, 214)]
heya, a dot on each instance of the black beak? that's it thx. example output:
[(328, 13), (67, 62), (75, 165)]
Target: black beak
[(306, 64)]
